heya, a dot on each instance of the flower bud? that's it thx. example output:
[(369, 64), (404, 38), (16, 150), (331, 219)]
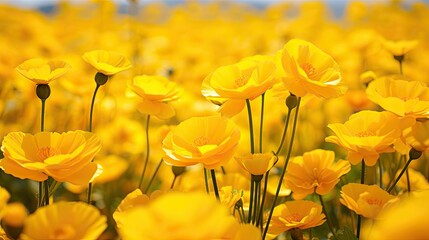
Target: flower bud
[(291, 101), (43, 91), (177, 171), (414, 154), (399, 58), (101, 79)]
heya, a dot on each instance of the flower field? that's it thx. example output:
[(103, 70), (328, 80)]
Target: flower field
[(214, 120)]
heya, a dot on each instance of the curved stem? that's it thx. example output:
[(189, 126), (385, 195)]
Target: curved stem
[(284, 131), (153, 176), (262, 121), (212, 171), (147, 151), (399, 176), (91, 110), (284, 169), (328, 220), (249, 113)]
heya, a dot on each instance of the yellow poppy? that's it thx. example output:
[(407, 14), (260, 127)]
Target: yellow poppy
[(211, 141), (66, 157), (14, 215), (42, 71), (367, 134), (176, 215), (404, 98), (155, 92), (314, 171), (64, 220), (107, 62), (258, 163), (305, 69), (417, 136), (400, 48), (4, 197), (229, 196), (407, 220), (366, 200), (134, 199), (300, 214)]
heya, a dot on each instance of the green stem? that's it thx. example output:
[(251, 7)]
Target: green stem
[(147, 151), (257, 201), (46, 195), (91, 111), (212, 171), (399, 176), (284, 131), (284, 169), (362, 181), (39, 200), (174, 181), (153, 176), (252, 193), (42, 120), (328, 220), (408, 181), (380, 176), (249, 113), (206, 180), (262, 121), (261, 210)]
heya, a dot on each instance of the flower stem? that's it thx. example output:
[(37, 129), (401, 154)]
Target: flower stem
[(284, 131), (262, 121), (362, 181), (46, 195), (252, 193), (147, 152), (42, 128), (174, 181), (399, 176), (408, 181), (212, 171), (328, 220), (91, 110), (249, 113), (206, 181), (284, 168), (153, 176), (261, 210), (380, 176)]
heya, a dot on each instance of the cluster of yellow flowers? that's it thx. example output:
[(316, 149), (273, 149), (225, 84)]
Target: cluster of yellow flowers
[(214, 121)]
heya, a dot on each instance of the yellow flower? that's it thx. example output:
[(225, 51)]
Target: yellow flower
[(417, 136), (366, 200), (211, 141), (155, 92), (175, 215), (232, 84), (65, 220), (229, 196), (367, 134), (404, 98), (65, 157), (42, 71), (300, 214), (247, 232), (15, 215), (417, 180), (314, 171), (407, 220), (134, 199), (257, 163), (107, 62), (305, 69), (400, 48)]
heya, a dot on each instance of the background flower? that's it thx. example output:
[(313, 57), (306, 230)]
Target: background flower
[(42, 71), (107, 62)]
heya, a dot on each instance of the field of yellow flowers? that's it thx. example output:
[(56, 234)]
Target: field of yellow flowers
[(214, 120)]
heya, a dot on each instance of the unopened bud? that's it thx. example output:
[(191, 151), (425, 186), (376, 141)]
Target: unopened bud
[(43, 91), (101, 79), (291, 101)]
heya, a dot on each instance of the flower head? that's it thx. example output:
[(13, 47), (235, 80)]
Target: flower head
[(155, 92), (367, 134), (366, 200), (42, 71), (417, 136), (400, 48), (107, 62), (305, 69), (178, 215), (257, 163), (211, 141), (65, 220), (314, 171), (66, 157), (300, 214), (404, 98)]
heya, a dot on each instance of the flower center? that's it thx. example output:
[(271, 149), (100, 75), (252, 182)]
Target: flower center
[(64, 232), (365, 133), (309, 69), (241, 81), (201, 141), (47, 152), (294, 217), (372, 201)]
